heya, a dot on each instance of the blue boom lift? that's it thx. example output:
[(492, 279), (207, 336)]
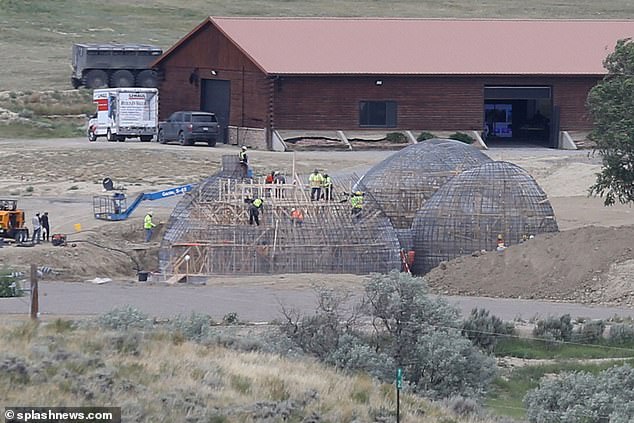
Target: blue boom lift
[(115, 207)]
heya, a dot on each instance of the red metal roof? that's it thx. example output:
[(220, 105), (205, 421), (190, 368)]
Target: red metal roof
[(425, 46)]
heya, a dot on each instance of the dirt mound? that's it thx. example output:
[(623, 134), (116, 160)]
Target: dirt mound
[(115, 251), (588, 265)]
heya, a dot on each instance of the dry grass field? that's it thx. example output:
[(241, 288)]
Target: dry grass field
[(158, 376), (36, 35)]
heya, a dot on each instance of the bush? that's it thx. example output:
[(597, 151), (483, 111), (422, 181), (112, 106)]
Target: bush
[(583, 397), (124, 318), (9, 286), (447, 364), (196, 327), (396, 138), (590, 332), (484, 329), (621, 333), (558, 329), (411, 330), (425, 136), (461, 136), (463, 406), (355, 354)]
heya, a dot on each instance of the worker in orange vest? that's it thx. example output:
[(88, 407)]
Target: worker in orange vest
[(297, 217)]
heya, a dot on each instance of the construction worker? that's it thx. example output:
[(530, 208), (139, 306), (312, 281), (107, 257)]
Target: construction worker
[(254, 211), (148, 225), (244, 160), (37, 228), (316, 181), (356, 202), (269, 180), (46, 227), (327, 187), (297, 217), (278, 178)]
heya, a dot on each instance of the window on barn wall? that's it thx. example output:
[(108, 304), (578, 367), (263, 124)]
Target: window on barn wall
[(380, 114)]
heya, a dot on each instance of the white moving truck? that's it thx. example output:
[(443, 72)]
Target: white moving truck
[(124, 113)]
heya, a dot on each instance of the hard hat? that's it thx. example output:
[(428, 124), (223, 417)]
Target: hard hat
[(149, 212), (276, 173), (244, 147), (358, 193), (293, 209), (316, 170)]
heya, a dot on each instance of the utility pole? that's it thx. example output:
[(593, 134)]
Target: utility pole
[(35, 301), (399, 385)]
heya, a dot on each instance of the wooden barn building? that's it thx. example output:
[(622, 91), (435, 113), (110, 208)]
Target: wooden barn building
[(507, 79)]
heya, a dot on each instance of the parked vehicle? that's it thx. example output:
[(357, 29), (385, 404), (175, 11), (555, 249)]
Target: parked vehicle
[(188, 127), (124, 113), (114, 65), (12, 222)]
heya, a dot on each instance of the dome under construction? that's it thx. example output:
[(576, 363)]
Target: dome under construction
[(495, 202)]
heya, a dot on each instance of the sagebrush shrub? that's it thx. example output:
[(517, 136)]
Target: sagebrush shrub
[(584, 397), (354, 353), (559, 329), (621, 333), (590, 332), (484, 329), (194, 327), (124, 318), (411, 330)]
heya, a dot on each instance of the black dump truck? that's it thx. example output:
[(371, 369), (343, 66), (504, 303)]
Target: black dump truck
[(114, 65)]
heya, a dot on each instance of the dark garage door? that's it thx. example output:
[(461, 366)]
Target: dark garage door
[(216, 98)]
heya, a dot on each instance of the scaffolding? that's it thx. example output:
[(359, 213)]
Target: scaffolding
[(209, 231), (404, 181), (469, 212)]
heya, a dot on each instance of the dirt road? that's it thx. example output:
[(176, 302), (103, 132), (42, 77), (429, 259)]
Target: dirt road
[(255, 300)]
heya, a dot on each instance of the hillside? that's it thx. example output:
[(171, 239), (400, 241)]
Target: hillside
[(36, 36), (158, 376)]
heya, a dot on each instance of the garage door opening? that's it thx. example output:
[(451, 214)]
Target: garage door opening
[(518, 116)]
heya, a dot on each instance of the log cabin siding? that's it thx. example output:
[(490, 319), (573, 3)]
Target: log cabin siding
[(206, 51), (430, 103), (331, 102)]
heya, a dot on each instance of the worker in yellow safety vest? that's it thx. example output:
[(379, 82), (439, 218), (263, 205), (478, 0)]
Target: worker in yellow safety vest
[(148, 225), (244, 160), (254, 211), (316, 181), (327, 187), (356, 202)]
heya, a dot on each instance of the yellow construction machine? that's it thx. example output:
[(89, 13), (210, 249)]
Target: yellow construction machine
[(12, 221)]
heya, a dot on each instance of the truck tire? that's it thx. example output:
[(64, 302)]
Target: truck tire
[(145, 138), (147, 79), (161, 137), (96, 78), (211, 143), (120, 138), (109, 136), (92, 137), (21, 236), (122, 79)]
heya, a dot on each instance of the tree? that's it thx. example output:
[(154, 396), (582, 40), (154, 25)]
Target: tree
[(409, 329), (611, 103)]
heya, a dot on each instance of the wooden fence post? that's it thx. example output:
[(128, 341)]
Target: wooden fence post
[(35, 301)]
